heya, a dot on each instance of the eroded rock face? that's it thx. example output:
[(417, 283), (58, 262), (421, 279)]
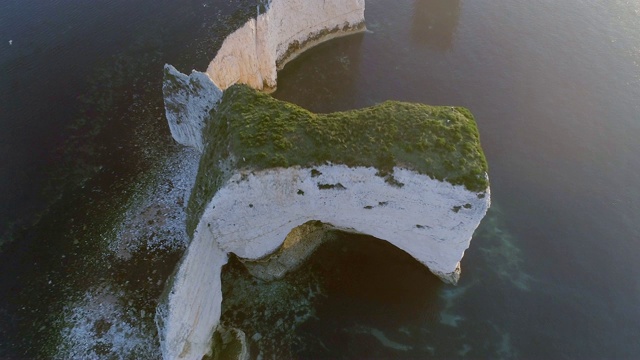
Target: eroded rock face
[(258, 192), (298, 246), (273, 176), (185, 326), (431, 220), (253, 54), (254, 212), (187, 102)]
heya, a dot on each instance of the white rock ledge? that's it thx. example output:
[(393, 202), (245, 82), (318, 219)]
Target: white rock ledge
[(252, 214)]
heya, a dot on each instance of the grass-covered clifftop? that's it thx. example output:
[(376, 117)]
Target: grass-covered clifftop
[(253, 130)]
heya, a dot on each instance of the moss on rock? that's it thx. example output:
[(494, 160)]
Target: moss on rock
[(251, 130)]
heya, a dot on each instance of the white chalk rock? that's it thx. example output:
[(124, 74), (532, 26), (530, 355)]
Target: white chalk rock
[(187, 102), (252, 214), (185, 326), (253, 54)]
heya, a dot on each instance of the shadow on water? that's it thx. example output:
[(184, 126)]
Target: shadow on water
[(334, 82), (435, 22), (356, 297), (376, 294)]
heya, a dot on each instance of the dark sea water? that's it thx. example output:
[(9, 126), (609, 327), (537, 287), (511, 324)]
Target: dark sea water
[(552, 272)]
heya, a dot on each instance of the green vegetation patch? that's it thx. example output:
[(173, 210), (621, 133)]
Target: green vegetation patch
[(251, 130)]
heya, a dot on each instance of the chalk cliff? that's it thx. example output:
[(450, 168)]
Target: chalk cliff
[(252, 214), (273, 174)]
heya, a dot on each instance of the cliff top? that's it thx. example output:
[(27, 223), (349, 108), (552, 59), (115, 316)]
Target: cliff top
[(254, 131)]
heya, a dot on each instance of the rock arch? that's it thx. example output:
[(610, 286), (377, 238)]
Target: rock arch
[(259, 213)]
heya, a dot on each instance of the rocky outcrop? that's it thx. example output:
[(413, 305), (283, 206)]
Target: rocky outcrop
[(299, 244), (254, 212), (187, 102), (186, 327), (274, 177)]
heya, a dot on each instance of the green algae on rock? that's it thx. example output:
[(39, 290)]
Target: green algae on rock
[(253, 131)]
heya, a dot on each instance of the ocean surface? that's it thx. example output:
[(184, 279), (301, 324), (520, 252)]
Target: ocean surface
[(552, 272)]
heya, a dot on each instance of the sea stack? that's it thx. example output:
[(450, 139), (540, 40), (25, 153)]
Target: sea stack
[(273, 176)]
